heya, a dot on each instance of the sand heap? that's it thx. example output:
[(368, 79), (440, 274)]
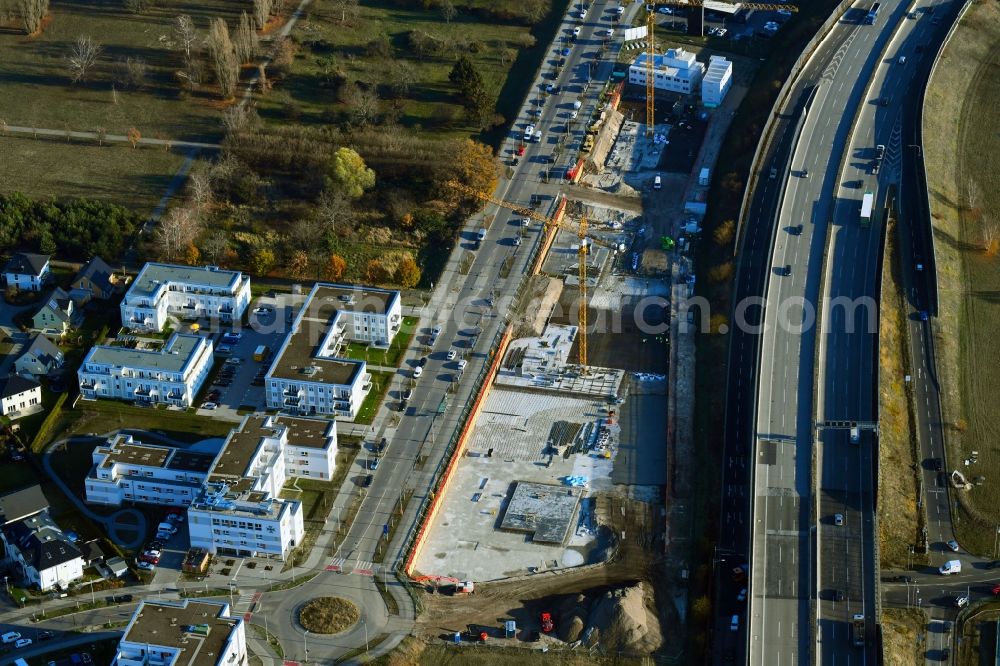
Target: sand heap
[(623, 619)]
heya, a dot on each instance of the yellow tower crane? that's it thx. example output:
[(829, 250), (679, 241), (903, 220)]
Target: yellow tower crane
[(551, 223), (651, 6)]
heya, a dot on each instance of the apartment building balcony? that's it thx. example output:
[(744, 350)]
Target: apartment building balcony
[(292, 402), (366, 383)]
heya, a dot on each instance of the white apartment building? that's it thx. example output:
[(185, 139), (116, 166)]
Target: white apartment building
[(232, 496), (184, 292), (718, 79), (126, 470), (676, 70), (169, 375), (183, 633), (309, 374)]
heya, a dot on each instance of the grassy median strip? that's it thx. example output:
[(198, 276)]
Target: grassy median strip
[(269, 638), (898, 517)]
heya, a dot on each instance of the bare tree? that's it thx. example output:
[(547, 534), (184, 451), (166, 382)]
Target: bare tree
[(32, 13), (175, 232), (363, 103), (401, 76), (991, 236), (186, 35), (138, 6), (262, 10), (347, 9), (246, 43), (334, 211), (973, 194), (214, 247), (227, 67), (200, 187), (82, 57), (240, 118), (448, 11), (130, 72)]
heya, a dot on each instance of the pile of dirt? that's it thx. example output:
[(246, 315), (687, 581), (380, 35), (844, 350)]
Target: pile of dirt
[(573, 613), (624, 619)]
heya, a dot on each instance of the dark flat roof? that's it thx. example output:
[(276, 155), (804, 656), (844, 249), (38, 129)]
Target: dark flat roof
[(190, 461), (166, 623)]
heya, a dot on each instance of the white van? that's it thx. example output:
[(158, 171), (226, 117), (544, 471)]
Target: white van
[(950, 567), (855, 435), (658, 182), (166, 527)]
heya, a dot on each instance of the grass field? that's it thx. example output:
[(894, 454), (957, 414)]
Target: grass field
[(102, 416), (307, 94), (902, 632), (898, 518), (56, 169), (38, 91), (962, 100), (393, 355), (368, 409)]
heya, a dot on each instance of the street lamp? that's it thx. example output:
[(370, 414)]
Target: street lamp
[(365, 625), (305, 641)]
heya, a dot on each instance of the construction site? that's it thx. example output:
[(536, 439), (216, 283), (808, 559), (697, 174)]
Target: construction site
[(569, 510)]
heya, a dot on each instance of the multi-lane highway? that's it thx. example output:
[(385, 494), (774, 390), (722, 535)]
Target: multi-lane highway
[(806, 542)]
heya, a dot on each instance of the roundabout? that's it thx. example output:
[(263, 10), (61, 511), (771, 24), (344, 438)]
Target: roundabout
[(328, 615)]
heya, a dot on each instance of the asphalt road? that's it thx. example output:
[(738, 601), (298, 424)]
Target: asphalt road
[(784, 578)]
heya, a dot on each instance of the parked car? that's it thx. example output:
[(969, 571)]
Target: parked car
[(838, 519), (209, 406), (146, 566), (462, 364), (373, 464), (451, 354), (417, 371), (368, 480)]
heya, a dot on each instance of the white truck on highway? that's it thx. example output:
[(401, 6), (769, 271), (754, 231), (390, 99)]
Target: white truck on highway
[(866, 209)]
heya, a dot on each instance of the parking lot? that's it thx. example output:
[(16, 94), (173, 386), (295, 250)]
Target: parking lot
[(236, 381)]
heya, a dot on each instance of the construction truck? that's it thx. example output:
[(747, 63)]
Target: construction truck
[(858, 630)]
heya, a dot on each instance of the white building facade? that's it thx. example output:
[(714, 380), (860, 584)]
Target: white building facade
[(41, 554), (309, 373), (233, 497), (718, 79), (183, 633), (676, 70), (171, 375), (184, 292)]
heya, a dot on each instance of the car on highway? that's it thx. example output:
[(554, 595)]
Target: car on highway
[(10, 637), (23, 642), (996, 590), (922, 315), (417, 371), (452, 354), (883, 101), (805, 173), (901, 60), (838, 519), (961, 601), (774, 173), (742, 596), (995, 564), (734, 623), (837, 595), (937, 464), (786, 270), (796, 230), (952, 545)]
